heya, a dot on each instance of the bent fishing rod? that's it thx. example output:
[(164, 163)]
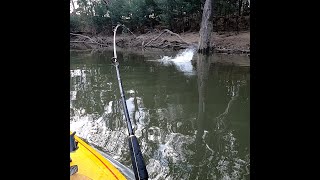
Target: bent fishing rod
[(139, 167)]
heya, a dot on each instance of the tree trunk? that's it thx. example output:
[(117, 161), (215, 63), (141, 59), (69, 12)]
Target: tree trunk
[(240, 6), (206, 28), (73, 7)]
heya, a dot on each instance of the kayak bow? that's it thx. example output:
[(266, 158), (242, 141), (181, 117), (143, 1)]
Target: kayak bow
[(90, 164)]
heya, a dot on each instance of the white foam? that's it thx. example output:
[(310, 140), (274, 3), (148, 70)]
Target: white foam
[(182, 61)]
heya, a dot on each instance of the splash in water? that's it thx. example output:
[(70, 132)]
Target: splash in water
[(182, 61)]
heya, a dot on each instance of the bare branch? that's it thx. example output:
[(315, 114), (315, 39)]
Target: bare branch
[(92, 40), (128, 30), (170, 32)]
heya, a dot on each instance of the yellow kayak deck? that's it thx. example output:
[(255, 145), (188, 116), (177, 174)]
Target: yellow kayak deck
[(91, 164)]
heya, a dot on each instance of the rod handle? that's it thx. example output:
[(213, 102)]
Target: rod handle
[(139, 167)]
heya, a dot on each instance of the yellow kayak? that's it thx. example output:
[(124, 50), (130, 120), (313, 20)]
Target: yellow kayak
[(90, 164)]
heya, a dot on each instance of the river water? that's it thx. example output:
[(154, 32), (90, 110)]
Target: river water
[(190, 113)]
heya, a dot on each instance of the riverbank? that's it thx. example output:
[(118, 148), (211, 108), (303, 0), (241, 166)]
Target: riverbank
[(224, 42)]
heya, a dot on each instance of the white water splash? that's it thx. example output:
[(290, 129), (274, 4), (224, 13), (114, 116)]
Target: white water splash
[(182, 61)]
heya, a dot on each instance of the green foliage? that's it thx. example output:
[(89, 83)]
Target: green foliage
[(100, 9), (100, 20), (138, 15), (75, 23), (174, 12), (138, 12), (119, 11)]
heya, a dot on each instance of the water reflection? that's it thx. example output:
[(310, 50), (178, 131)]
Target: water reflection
[(191, 123)]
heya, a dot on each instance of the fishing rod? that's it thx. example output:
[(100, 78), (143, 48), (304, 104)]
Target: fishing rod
[(139, 167)]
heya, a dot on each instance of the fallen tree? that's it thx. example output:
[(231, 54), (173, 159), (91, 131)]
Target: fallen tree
[(164, 39), (86, 40), (166, 31)]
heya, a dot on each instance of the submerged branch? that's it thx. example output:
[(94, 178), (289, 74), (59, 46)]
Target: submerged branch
[(223, 117), (228, 107)]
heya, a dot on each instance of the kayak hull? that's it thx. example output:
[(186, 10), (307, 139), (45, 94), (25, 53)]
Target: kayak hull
[(91, 164)]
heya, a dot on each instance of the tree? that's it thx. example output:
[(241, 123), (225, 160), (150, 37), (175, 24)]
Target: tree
[(73, 7), (206, 28)]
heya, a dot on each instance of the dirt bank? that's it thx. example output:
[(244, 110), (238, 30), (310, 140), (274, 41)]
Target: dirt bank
[(224, 42)]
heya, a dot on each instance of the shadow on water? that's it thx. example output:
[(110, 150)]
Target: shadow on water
[(190, 112)]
